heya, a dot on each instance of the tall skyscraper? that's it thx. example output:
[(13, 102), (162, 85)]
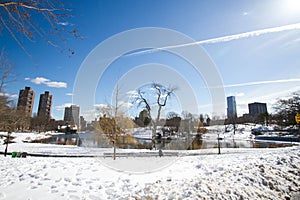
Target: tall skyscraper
[(25, 101), (231, 107), (45, 104), (257, 108), (72, 114)]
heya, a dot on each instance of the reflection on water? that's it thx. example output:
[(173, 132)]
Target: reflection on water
[(129, 142)]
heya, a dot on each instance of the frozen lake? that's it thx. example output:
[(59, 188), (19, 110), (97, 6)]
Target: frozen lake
[(189, 143)]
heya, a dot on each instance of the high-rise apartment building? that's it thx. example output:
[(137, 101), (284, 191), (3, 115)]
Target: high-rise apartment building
[(25, 101), (231, 107), (82, 123), (45, 104), (72, 114), (257, 108)]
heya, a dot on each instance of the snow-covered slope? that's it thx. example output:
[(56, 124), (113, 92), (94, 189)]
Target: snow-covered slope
[(200, 174)]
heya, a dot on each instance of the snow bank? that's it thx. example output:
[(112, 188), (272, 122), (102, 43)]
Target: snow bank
[(236, 174)]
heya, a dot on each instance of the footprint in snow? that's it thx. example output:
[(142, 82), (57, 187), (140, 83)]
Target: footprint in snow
[(11, 183), (21, 178), (198, 166), (85, 191), (53, 186), (46, 179), (34, 176), (2, 195), (76, 184), (72, 191), (33, 187), (78, 179), (74, 197), (78, 174), (67, 179), (58, 180), (92, 197), (110, 191), (54, 191)]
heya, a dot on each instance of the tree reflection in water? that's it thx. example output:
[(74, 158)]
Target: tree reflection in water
[(130, 142)]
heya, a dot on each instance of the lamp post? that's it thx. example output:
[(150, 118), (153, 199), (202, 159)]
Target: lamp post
[(7, 141), (219, 145)]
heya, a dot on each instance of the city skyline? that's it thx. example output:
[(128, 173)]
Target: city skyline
[(72, 112), (254, 46)]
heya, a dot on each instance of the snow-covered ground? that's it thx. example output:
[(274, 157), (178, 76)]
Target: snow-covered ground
[(198, 174), (26, 137), (142, 133), (242, 132)]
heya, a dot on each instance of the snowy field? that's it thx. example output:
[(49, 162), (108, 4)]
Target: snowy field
[(199, 174)]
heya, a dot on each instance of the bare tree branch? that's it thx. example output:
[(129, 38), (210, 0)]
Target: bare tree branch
[(34, 19), (27, 5), (6, 68), (140, 99)]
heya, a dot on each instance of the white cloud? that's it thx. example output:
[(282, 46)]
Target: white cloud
[(63, 23), (45, 81), (131, 92), (125, 104), (261, 96), (69, 94), (9, 95), (89, 115), (56, 84), (62, 107), (240, 94), (202, 106), (39, 80), (99, 106)]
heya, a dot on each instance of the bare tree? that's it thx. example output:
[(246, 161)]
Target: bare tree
[(6, 71), (104, 110), (113, 122), (186, 122), (173, 122), (7, 116), (116, 109), (171, 115), (286, 109), (143, 119), (36, 19), (40, 123), (162, 95)]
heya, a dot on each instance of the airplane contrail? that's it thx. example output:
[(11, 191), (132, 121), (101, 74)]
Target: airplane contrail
[(263, 82), (227, 38)]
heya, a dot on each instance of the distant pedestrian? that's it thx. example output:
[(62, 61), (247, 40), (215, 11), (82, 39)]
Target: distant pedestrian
[(160, 153)]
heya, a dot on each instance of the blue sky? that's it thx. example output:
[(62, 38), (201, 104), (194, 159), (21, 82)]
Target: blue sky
[(255, 46)]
